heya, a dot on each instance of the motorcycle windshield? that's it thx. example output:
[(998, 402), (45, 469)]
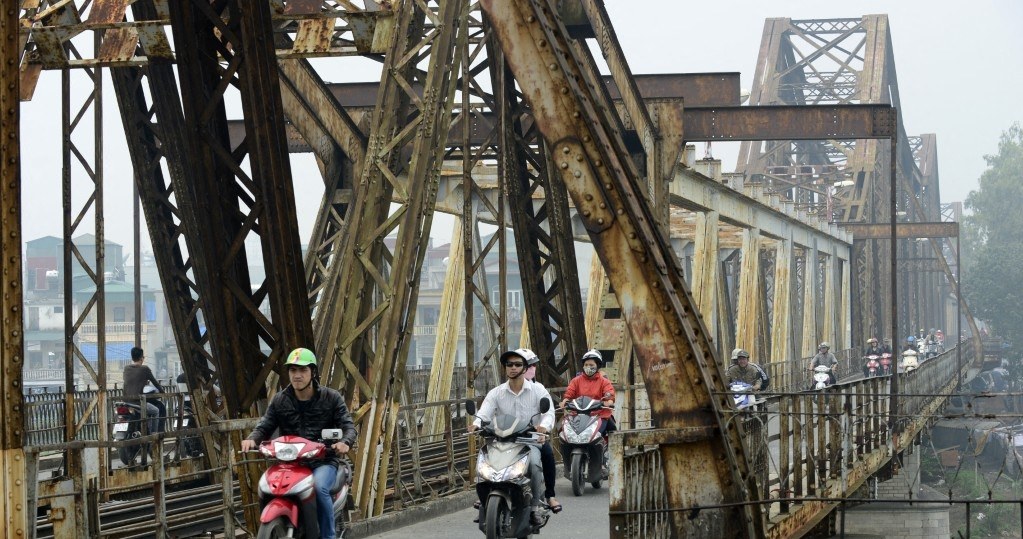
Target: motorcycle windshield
[(500, 455), (578, 423)]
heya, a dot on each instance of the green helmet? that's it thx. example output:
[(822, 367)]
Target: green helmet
[(303, 357)]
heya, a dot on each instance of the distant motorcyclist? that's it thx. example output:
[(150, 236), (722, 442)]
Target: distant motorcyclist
[(825, 358), (137, 377), (872, 349), (910, 343), (886, 348), (744, 371)]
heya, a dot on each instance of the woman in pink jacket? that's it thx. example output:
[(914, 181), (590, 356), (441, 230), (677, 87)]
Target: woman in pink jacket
[(593, 384)]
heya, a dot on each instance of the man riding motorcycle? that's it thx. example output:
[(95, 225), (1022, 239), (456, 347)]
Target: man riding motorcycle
[(872, 349), (520, 397), (305, 408), (825, 358), (744, 371)]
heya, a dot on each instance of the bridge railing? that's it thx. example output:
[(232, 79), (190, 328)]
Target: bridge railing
[(820, 444), (794, 374)]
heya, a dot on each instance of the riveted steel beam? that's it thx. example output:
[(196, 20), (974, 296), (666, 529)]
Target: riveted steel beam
[(13, 481), (874, 231), (671, 342), (310, 30), (783, 122)]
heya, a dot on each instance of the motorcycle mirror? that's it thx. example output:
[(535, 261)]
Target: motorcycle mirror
[(331, 434), (470, 406), (545, 405)]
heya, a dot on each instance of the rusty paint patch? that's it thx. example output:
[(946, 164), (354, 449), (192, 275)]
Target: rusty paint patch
[(153, 39), (29, 77), (118, 45), (50, 46), (107, 11), (314, 36), (303, 7)]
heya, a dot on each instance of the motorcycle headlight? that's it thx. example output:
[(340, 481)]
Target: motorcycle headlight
[(286, 452), (584, 436), (486, 472)]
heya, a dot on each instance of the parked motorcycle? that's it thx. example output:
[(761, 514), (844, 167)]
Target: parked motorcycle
[(286, 487), (128, 425), (872, 366), (742, 395), (821, 377), (582, 443), (188, 446), (502, 476)]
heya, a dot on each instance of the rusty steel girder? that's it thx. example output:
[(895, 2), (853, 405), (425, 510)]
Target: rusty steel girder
[(671, 343), (873, 231), (13, 479)]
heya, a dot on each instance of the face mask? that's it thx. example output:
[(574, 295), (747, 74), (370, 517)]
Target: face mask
[(530, 373), (590, 370)]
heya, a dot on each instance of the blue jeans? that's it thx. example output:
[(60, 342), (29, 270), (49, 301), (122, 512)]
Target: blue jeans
[(323, 479)]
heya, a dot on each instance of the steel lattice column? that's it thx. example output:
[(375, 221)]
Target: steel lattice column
[(226, 203), (544, 241), (382, 286), (13, 508), (144, 126), (671, 343)]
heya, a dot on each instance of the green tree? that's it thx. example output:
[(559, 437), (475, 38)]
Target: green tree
[(993, 239)]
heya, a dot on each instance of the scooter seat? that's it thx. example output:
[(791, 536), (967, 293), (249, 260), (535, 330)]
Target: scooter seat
[(341, 479)]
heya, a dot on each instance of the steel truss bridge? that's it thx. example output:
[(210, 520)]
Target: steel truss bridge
[(496, 113)]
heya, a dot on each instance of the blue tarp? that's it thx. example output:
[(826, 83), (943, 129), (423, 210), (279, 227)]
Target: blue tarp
[(115, 350)]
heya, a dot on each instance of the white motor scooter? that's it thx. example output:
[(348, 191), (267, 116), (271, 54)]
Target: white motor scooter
[(910, 361), (821, 377)]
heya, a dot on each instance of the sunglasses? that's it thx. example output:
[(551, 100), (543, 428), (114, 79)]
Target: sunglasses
[(519, 365)]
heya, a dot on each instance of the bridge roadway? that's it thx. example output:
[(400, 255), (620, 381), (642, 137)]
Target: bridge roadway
[(583, 517)]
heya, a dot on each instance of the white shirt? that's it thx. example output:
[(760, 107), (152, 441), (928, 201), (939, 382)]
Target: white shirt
[(523, 405)]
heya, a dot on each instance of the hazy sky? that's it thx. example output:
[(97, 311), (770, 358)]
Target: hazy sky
[(960, 72)]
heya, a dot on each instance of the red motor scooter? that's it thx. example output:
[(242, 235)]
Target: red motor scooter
[(886, 364), (286, 488), (872, 367)]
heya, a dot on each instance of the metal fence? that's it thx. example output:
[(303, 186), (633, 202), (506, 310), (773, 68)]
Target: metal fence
[(809, 444)]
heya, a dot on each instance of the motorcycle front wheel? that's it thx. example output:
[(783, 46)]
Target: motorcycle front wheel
[(496, 516), (275, 529), (577, 475)]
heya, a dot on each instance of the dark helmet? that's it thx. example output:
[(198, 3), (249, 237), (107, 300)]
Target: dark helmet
[(527, 355), (740, 353), (594, 354)]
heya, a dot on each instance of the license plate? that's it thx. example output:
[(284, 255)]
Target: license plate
[(120, 427), (183, 423)]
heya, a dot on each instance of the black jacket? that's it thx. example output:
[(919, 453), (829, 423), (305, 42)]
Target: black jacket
[(326, 410)]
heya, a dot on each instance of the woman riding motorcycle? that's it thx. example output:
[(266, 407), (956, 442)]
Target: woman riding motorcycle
[(592, 383)]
